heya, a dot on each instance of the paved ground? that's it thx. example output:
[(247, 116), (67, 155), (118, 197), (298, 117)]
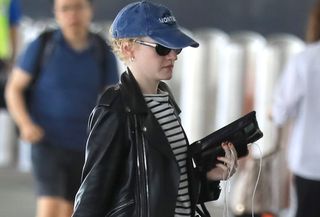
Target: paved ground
[(17, 197), (16, 194)]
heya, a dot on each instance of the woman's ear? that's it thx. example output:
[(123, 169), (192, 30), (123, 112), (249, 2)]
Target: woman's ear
[(127, 50)]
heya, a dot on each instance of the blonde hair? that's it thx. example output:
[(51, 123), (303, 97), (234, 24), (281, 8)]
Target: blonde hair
[(313, 27), (117, 45)]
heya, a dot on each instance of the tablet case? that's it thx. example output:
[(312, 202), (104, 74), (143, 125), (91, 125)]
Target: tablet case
[(240, 132)]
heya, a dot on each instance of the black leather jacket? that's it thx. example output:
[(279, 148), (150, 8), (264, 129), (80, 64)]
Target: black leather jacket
[(130, 169)]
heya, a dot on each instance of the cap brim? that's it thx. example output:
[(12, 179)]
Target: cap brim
[(174, 39)]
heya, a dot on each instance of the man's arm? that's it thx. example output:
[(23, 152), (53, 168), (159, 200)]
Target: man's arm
[(18, 81)]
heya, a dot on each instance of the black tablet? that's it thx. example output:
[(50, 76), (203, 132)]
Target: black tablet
[(240, 132)]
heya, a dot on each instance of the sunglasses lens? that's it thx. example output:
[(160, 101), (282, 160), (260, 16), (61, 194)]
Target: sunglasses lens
[(178, 51), (162, 51)]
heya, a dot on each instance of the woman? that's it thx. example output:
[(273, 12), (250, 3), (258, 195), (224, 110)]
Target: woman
[(296, 99), (136, 160)]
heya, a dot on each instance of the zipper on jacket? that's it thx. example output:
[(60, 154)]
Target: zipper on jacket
[(146, 176), (143, 184)]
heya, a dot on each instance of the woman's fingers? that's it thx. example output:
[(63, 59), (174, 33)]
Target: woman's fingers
[(226, 161), (233, 149), (226, 149), (228, 165), (225, 171), (230, 160)]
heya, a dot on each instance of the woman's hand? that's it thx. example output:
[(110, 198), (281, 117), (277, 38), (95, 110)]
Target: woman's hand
[(228, 165)]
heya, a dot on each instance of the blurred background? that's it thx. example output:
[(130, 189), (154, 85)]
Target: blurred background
[(244, 45), (261, 16)]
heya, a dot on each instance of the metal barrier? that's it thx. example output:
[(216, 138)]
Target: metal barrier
[(199, 82)]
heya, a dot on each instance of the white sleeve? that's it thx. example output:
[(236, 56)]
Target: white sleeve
[(289, 91)]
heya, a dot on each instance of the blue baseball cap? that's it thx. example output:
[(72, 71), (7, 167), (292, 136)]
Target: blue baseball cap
[(146, 18)]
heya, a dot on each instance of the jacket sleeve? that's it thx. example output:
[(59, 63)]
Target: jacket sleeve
[(102, 165)]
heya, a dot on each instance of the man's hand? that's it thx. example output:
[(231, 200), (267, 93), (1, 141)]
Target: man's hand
[(31, 133)]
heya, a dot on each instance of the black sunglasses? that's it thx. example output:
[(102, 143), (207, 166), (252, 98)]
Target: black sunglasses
[(161, 50)]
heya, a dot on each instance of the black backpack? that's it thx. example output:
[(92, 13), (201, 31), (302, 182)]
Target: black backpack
[(47, 46)]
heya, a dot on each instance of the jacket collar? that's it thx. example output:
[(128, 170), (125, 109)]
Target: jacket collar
[(133, 96)]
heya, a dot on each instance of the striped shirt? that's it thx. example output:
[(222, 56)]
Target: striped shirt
[(164, 113)]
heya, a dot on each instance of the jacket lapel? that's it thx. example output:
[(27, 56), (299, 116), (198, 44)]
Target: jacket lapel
[(136, 104), (155, 135)]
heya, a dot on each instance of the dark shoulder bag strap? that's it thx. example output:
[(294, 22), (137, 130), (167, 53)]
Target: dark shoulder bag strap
[(204, 212)]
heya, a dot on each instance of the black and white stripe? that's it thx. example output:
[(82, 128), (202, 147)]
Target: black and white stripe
[(164, 113)]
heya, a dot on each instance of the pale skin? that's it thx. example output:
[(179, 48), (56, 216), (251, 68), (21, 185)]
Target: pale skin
[(73, 17), (149, 69)]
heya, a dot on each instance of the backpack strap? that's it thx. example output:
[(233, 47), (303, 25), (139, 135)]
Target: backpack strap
[(45, 49)]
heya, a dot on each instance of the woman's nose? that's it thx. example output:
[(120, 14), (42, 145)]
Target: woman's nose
[(173, 55)]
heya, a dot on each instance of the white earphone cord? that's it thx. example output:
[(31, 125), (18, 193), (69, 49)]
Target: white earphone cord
[(228, 186), (257, 181)]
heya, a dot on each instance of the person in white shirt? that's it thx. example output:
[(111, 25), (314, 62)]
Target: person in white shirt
[(297, 98)]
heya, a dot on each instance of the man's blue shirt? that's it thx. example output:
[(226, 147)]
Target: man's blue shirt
[(66, 89)]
